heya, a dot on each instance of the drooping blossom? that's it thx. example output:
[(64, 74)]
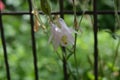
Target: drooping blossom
[(61, 34), (55, 35), (66, 33), (2, 6)]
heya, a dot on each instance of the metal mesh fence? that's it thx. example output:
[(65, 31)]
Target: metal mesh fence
[(61, 12)]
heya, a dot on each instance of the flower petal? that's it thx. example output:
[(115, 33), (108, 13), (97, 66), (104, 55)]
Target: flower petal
[(55, 33)]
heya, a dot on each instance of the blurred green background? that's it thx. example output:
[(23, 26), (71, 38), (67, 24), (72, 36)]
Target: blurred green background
[(19, 47)]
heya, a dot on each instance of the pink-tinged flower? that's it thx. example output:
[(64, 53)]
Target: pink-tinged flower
[(66, 33), (61, 34), (2, 6), (55, 35)]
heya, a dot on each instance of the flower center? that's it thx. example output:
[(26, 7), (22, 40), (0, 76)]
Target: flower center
[(64, 39)]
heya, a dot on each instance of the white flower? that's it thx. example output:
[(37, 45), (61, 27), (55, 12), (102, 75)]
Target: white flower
[(55, 35), (61, 34), (66, 33)]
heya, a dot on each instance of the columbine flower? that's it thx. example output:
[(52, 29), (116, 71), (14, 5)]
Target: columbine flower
[(2, 6), (55, 35), (66, 33), (61, 34)]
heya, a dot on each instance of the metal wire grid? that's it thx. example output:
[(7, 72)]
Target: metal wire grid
[(95, 13)]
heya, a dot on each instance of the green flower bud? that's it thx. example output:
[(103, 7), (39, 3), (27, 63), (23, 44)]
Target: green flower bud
[(45, 7)]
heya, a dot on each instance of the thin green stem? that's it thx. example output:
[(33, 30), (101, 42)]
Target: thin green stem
[(71, 72), (50, 16), (76, 28), (59, 56), (75, 42), (33, 3), (81, 17), (116, 52), (64, 63), (75, 58), (36, 14), (116, 13), (118, 20), (74, 9)]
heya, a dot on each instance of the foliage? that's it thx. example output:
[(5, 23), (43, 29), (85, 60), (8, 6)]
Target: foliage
[(18, 40)]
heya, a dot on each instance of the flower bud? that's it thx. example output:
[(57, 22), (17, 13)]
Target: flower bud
[(45, 7)]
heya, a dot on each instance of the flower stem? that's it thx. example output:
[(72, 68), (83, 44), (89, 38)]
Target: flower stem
[(116, 13), (50, 16), (118, 20), (116, 52), (64, 63), (76, 28)]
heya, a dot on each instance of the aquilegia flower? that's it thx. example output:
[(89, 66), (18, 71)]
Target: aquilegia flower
[(2, 6), (61, 34)]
